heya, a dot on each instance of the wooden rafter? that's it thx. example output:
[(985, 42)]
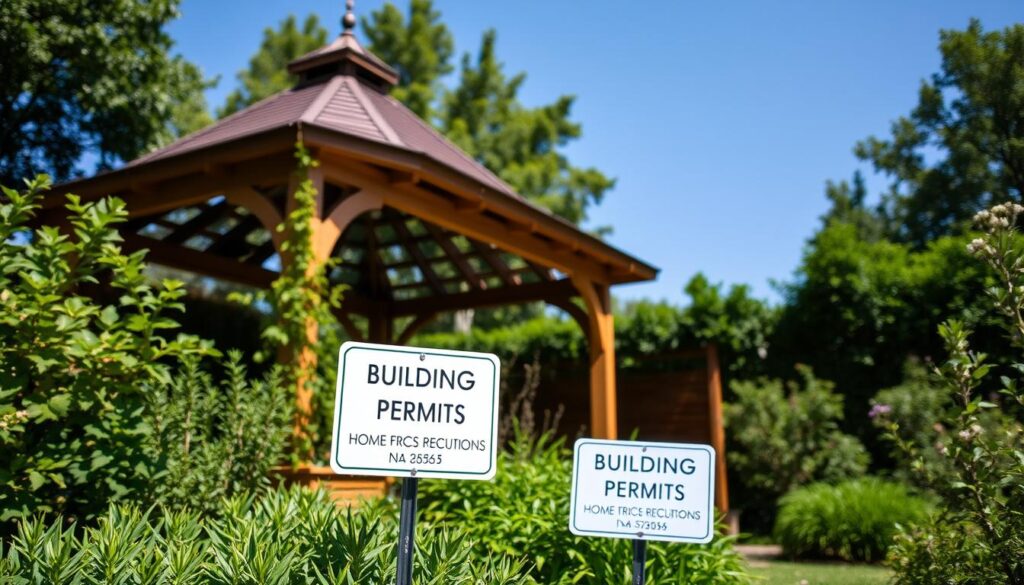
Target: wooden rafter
[(541, 272), (202, 220), (405, 238), (524, 293), (455, 255), (235, 237), (200, 262), (262, 253), (496, 262)]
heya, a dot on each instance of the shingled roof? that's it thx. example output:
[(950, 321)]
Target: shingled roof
[(354, 105), (341, 103)]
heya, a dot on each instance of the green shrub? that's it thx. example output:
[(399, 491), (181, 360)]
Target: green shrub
[(977, 535), (523, 514), (283, 537), (74, 371), (851, 521), (913, 411), (546, 338), (213, 439), (783, 436)]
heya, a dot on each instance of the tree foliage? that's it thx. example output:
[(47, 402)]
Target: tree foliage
[(522, 145), (481, 112), (860, 308), (90, 77), (419, 47), (268, 68), (961, 148)]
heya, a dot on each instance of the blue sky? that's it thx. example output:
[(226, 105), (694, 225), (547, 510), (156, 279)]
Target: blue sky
[(721, 120)]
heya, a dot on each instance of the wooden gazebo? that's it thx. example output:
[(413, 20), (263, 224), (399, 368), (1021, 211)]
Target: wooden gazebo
[(420, 227)]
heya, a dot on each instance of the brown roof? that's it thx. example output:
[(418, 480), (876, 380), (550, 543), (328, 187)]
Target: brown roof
[(342, 92), (340, 104)]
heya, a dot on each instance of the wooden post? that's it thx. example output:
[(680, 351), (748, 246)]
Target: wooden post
[(306, 355), (717, 428), (380, 326), (327, 228), (601, 337)]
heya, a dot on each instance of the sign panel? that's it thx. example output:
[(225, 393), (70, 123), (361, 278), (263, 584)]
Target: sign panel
[(412, 412), (645, 491)]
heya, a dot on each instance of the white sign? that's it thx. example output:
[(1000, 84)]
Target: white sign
[(412, 412), (647, 491)]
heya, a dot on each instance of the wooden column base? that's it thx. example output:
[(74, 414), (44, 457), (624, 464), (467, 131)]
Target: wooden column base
[(344, 490)]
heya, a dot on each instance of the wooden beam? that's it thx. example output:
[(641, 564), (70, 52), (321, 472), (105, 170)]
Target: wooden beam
[(339, 217), (414, 326), (200, 262), (237, 157), (441, 211), (524, 293), (542, 272), (206, 217), (235, 238), (380, 283), (496, 262), (350, 328), (576, 312), (456, 256), (261, 207), (402, 231), (196, 188), (513, 209)]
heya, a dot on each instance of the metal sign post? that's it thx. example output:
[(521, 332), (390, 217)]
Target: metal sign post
[(407, 530), (643, 491), (415, 413), (639, 562)]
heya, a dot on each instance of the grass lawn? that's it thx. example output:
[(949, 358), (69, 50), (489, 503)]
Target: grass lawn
[(783, 573)]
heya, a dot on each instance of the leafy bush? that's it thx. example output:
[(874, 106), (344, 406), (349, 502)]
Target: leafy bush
[(523, 514), (978, 534), (283, 537), (913, 411), (547, 338), (74, 371), (783, 436), (851, 521), (213, 440)]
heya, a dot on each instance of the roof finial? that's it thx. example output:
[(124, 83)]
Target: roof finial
[(348, 22)]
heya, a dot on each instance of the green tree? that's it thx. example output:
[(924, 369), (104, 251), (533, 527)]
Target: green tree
[(524, 146), (419, 48), (268, 69), (482, 112), (962, 146), (848, 205), (859, 308), (90, 77)]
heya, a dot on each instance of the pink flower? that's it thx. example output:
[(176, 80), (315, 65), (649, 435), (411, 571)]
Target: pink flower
[(878, 410)]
